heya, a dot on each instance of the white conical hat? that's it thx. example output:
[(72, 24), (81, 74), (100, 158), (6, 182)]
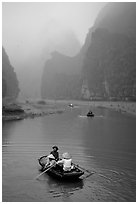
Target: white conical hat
[(66, 155)]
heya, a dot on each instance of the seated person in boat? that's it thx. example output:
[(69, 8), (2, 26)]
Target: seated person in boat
[(50, 161), (55, 153), (66, 162)]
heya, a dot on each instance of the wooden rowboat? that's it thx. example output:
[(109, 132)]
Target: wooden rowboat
[(60, 174)]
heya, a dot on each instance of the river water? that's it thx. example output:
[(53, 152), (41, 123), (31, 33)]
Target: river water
[(105, 145)]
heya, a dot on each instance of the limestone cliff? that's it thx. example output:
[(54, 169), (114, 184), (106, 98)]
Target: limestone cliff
[(110, 61), (61, 77), (10, 86), (105, 66)]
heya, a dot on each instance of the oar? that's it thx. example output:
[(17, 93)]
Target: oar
[(90, 172), (84, 169), (44, 171)]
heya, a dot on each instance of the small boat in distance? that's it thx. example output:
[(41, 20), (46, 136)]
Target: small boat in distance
[(56, 172), (90, 114), (71, 105)]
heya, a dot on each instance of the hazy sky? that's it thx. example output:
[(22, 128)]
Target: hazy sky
[(28, 25), (33, 29)]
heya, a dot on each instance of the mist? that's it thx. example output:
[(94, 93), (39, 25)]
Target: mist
[(31, 31), (69, 102)]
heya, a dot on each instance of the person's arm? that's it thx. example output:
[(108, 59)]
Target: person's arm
[(60, 161), (57, 156)]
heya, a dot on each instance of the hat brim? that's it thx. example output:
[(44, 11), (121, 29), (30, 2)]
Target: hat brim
[(67, 157)]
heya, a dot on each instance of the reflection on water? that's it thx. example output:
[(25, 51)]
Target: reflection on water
[(62, 188), (105, 144), (8, 128)]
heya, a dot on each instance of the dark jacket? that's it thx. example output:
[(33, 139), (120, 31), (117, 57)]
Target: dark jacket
[(55, 154)]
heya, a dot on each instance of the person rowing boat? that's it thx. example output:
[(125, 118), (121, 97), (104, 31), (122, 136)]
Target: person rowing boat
[(50, 161), (52, 157), (55, 153)]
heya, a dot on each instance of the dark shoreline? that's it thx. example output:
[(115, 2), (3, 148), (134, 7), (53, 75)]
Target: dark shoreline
[(20, 111)]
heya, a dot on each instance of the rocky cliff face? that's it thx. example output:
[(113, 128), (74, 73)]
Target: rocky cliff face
[(105, 68), (61, 77), (110, 61), (10, 87), (118, 17)]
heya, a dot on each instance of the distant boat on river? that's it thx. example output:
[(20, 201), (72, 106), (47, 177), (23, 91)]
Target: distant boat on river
[(90, 114), (71, 105)]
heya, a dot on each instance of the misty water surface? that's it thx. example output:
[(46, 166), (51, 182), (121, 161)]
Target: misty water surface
[(104, 144)]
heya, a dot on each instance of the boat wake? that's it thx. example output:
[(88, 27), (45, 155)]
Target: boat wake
[(96, 116), (99, 116), (83, 116)]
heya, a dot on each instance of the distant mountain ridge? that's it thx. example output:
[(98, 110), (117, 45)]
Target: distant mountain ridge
[(67, 77), (63, 82)]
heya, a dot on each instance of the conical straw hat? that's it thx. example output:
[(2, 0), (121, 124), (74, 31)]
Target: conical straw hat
[(66, 155)]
